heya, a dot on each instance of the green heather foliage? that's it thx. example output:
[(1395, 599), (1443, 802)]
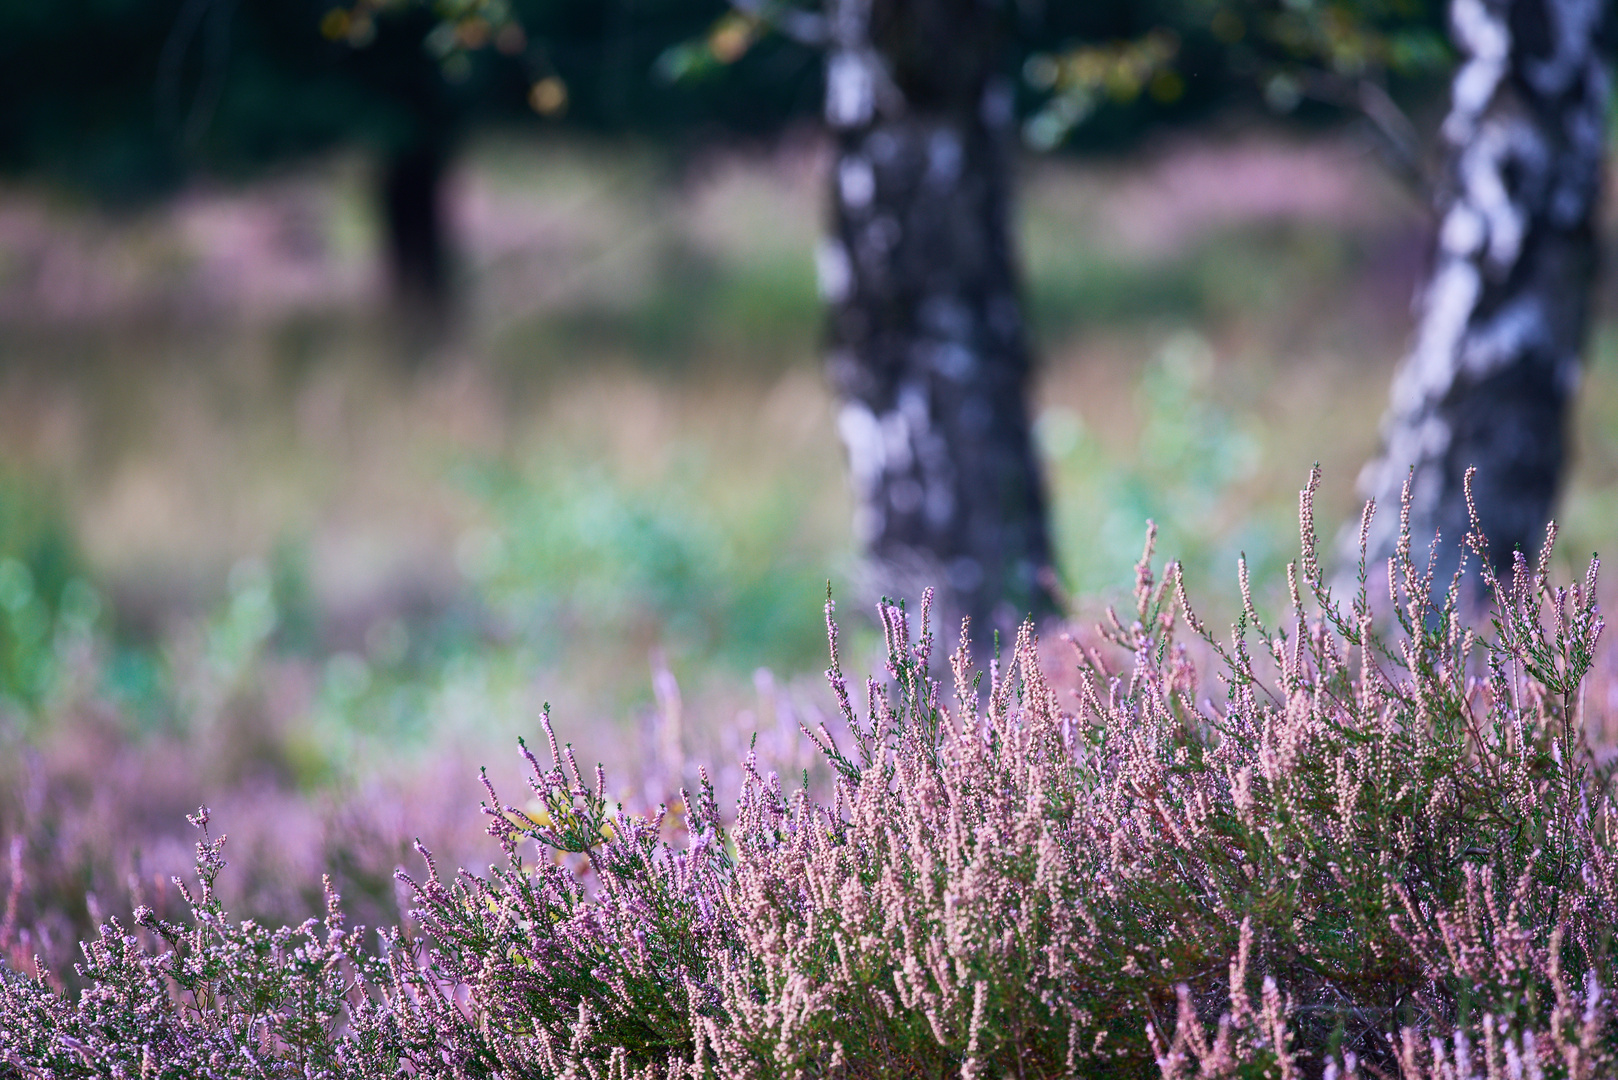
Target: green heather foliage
[(1377, 855)]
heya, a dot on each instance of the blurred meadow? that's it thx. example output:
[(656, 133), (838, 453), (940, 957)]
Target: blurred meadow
[(265, 545)]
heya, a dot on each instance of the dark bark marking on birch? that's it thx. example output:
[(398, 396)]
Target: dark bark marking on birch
[(928, 349)]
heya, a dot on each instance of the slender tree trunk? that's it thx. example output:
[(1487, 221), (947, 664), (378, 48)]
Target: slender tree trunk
[(1496, 357), (928, 349), (412, 203)]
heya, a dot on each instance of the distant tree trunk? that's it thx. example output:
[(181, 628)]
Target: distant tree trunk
[(1496, 357), (928, 348), (412, 202)]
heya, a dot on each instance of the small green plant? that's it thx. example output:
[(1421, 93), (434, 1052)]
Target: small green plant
[(46, 606)]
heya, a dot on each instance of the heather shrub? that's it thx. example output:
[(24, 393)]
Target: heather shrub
[(206, 998), (1355, 851)]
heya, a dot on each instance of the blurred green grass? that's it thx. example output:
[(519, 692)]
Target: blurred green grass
[(268, 523)]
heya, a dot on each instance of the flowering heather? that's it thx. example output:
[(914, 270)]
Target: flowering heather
[(1375, 855)]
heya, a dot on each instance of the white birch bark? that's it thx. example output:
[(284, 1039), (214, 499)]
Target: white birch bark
[(928, 349), (1502, 318)]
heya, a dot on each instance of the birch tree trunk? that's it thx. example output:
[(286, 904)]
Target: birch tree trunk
[(413, 211), (1502, 318), (928, 349)]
